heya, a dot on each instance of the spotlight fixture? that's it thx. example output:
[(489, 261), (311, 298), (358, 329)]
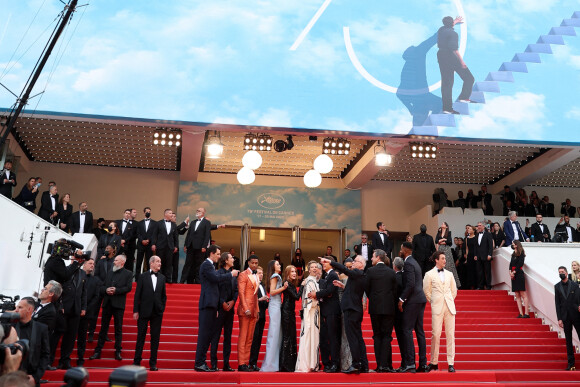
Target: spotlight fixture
[(382, 158), (170, 137), (335, 146), (281, 145), (423, 150), (260, 142), (215, 148)]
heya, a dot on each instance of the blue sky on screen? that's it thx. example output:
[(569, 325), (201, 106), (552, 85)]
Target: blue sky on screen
[(286, 62)]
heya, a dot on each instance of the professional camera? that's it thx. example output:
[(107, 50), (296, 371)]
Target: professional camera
[(21, 345), (76, 377), (65, 248), (7, 303), (560, 236)]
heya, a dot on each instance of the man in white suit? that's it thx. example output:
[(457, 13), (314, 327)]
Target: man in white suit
[(440, 289)]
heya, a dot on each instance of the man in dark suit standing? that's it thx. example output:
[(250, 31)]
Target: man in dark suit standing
[(398, 265), (48, 202), (196, 243), (209, 302), (547, 208), (381, 290), (82, 220), (117, 284), (539, 231), (365, 249), (128, 230), (148, 307), (7, 180), (330, 320), (423, 247), (166, 244), (89, 319), (146, 237), (37, 334), (352, 310), (381, 240), (512, 229), (483, 256), (567, 298), (259, 329), (45, 309), (413, 299)]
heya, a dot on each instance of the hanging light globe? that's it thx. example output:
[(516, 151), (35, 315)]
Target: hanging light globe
[(323, 164), (252, 160), (312, 179), (246, 176)]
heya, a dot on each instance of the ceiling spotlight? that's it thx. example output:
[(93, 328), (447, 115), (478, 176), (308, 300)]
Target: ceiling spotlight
[(336, 146), (260, 142), (382, 158), (215, 148), (281, 145), (423, 150), (162, 135)]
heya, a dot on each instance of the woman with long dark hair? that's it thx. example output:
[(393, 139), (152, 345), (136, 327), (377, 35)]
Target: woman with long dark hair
[(299, 264), (443, 241), (64, 209), (518, 279), (471, 271), (497, 235), (288, 352), (27, 196), (275, 287)]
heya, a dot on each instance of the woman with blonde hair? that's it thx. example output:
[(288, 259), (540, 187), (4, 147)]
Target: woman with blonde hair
[(575, 272), (310, 332)]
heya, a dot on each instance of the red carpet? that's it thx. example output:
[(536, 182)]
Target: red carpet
[(492, 346)]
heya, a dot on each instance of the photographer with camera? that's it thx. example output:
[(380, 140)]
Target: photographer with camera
[(55, 268), (9, 361), (564, 232)]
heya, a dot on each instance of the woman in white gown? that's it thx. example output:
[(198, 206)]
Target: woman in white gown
[(275, 287), (310, 333)]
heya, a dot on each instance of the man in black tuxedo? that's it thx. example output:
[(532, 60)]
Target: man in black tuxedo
[(99, 231), (485, 199), (166, 244), (381, 289), (180, 230), (423, 247), (330, 319), (7, 180), (413, 299), (82, 220), (196, 243), (352, 310), (539, 231), (568, 209), (88, 321), (148, 307), (146, 237), (259, 329), (37, 360), (398, 264), (209, 302), (117, 284), (104, 265), (547, 208), (381, 240), (48, 202), (365, 249), (483, 256), (128, 229), (567, 299)]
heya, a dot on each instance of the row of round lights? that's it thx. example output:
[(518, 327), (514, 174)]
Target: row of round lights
[(163, 137), (420, 150)]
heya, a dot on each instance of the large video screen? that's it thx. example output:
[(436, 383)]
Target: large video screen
[(358, 66)]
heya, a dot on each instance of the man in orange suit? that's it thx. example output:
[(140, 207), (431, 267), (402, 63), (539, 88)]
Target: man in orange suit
[(440, 290), (248, 310)]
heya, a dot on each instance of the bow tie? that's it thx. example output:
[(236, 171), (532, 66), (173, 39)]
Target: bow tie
[(364, 244), (125, 220), (481, 233), (82, 214), (254, 271), (440, 270), (154, 273), (168, 221), (147, 220)]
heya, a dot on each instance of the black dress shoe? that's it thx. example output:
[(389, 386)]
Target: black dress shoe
[(244, 368), (423, 368), (379, 370), (107, 338), (230, 369), (203, 368), (96, 355), (451, 368), (571, 368), (351, 370), (118, 355), (51, 368), (331, 370), (432, 367), (64, 366), (153, 368), (409, 369), (365, 370), (390, 370), (213, 368)]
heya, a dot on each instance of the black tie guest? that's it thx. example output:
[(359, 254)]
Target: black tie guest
[(568, 209), (226, 311), (398, 265), (27, 196), (146, 237), (209, 302), (37, 360), (412, 303), (483, 256), (82, 220), (497, 236), (89, 319), (104, 263), (64, 210), (567, 299), (46, 312), (539, 232), (547, 208), (166, 244), (485, 199), (112, 237), (128, 232), (381, 289), (352, 310), (330, 320), (298, 263), (48, 202), (365, 249), (100, 230), (179, 230), (7, 180), (423, 247), (288, 348), (380, 239), (148, 307), (196, 243), (263, 301), (237, 265), (114, 291)]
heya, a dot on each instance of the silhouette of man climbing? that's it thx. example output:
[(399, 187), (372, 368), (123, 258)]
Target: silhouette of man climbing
[(451, 62)]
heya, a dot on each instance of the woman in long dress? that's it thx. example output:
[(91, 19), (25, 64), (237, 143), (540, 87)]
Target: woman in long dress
[(518, 279), (345, 355), (288, 352), (310, 332), (443, 241), (275, 288), (471, 272)]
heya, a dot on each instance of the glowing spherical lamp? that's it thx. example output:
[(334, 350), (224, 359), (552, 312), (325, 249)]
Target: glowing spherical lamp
[(323, 164), (312, 179), (252, 160), (246, 176)]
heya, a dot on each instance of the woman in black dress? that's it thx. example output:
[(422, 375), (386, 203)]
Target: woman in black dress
[(497, 235), (518, 279), (64, 210), (471, 272), (459, 258), (27, 196), (298, 263), (288, 351)]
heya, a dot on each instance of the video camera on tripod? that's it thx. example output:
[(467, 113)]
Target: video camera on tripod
[(67, 248), (8, 303)]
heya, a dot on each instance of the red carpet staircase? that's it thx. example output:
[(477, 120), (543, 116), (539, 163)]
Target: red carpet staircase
[(492, 347)]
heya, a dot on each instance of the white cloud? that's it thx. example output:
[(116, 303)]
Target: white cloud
[(533, 5), (397, 121), (574, 113), (563, 54), (274, 117)]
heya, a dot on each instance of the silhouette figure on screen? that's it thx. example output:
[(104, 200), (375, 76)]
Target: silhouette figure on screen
[(413, 90), (451, 62)]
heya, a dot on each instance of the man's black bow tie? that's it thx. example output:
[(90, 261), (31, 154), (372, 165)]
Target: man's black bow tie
[(168, 221), (254, 271), (125, 220), (481, 233), (154, 273), (440, 270)]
